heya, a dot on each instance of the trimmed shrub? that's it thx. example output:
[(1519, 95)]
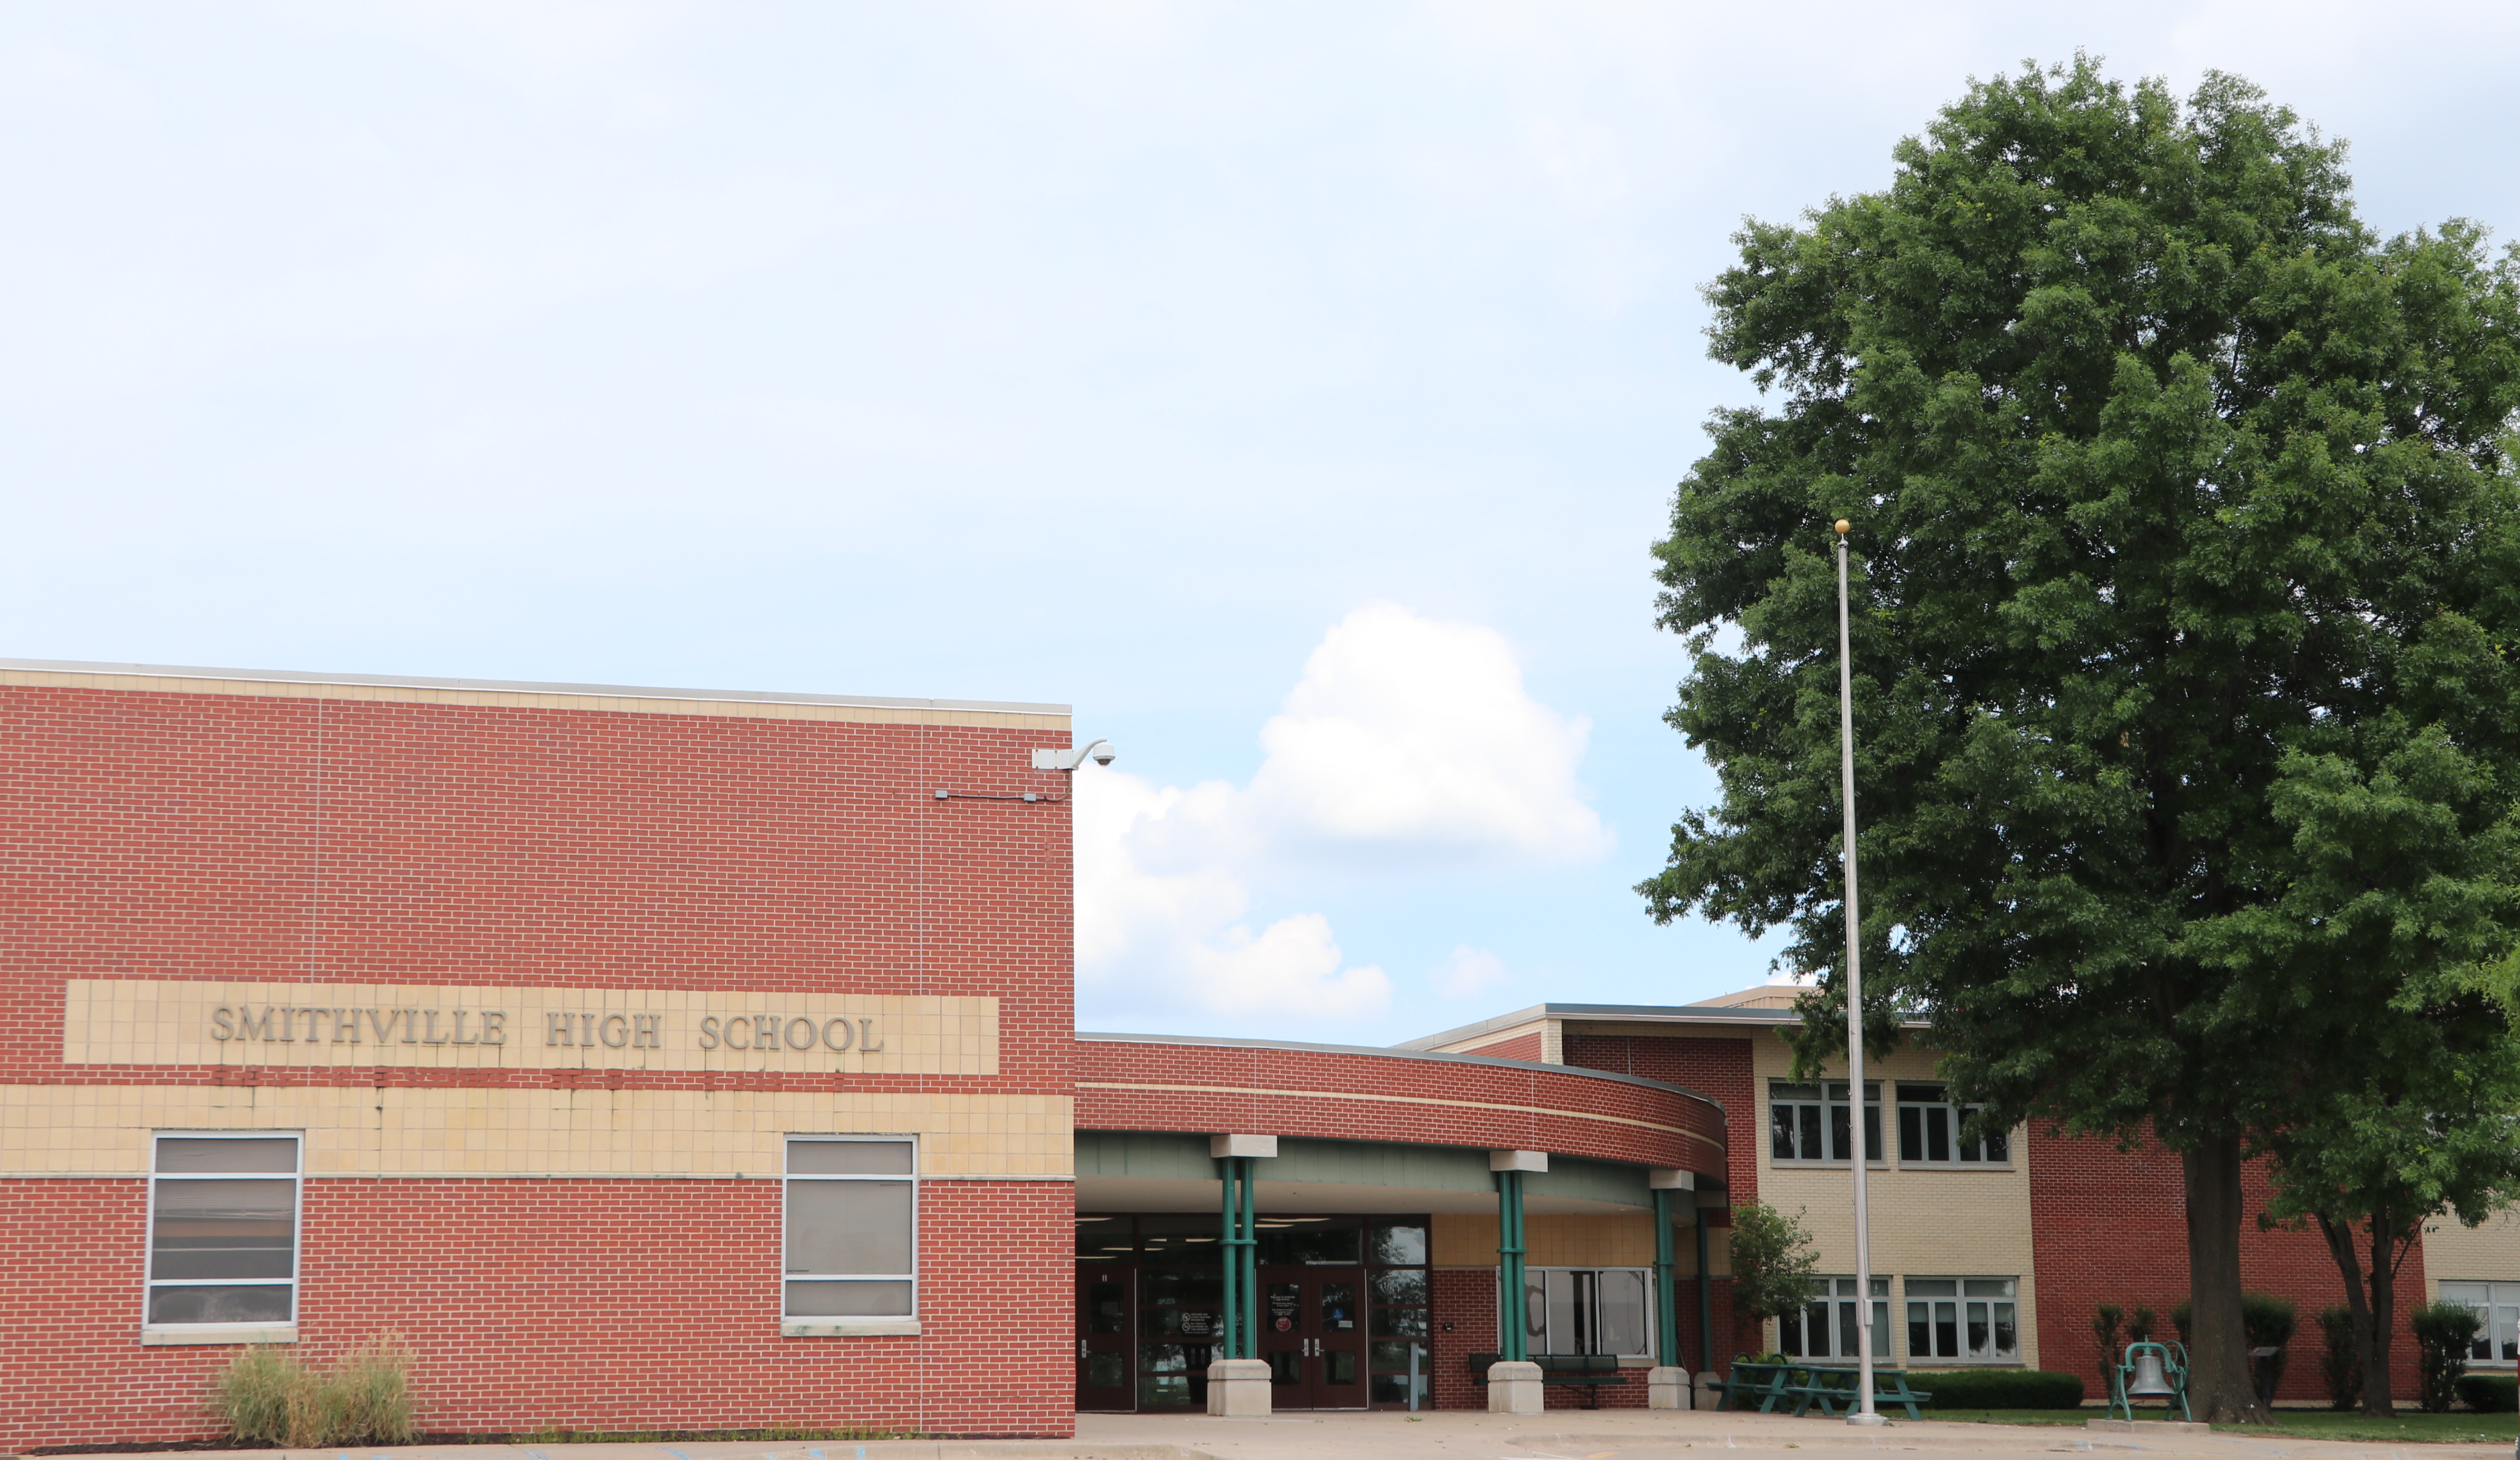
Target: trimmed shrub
[(2442, 1333), (268, 1395), (2341, 1363), (1999, 1388), (2490, 1394)]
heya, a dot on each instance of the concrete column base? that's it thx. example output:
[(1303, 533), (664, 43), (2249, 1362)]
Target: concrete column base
[(1514, 1389), (1666, 1389), (1708, 1396), (1238, 1387)]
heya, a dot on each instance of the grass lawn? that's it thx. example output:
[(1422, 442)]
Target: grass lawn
[(2409, 1428)]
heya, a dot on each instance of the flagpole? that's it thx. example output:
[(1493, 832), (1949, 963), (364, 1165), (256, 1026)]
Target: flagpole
[(1863, 1412)]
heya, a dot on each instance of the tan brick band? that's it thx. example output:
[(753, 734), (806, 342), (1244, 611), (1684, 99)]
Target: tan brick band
[(494, 1026), (426, 1131)]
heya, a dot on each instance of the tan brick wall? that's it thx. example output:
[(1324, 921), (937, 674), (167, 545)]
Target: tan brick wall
[(1925, 1223), (432, 1131)]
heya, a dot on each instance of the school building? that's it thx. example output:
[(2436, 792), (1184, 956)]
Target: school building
[(662, 1060)]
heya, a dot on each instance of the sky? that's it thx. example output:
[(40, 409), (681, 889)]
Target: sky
[(1296, 389)]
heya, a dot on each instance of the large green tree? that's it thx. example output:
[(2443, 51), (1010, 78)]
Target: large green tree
[(2176, 494)]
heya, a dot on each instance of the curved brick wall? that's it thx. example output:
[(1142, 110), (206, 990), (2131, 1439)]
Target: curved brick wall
[(1149, 1084)]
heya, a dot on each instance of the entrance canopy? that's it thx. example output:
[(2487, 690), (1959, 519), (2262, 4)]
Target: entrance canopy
[(1165, 1171)]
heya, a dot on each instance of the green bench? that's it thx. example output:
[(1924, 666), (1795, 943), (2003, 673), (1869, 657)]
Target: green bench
[(1589, 1371), (1765, 1387)]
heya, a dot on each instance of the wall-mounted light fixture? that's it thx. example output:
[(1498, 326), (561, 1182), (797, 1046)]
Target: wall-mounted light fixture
[(1101, 750)]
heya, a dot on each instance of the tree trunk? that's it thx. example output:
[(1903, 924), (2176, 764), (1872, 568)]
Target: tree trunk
[(2218, 1389), (2370, 1337), (2376, 1399)]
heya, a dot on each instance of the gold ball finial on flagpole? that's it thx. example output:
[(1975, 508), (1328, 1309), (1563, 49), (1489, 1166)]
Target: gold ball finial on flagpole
[(1843, 526)]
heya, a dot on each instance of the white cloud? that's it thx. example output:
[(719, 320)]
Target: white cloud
[(1406, 738), (1414, 733), (1467, 973)]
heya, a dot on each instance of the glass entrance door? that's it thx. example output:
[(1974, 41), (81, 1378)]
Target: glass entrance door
[(1313, 1335), (1102, 1348)]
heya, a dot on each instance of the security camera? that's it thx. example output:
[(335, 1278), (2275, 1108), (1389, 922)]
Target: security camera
[(1103, 753)]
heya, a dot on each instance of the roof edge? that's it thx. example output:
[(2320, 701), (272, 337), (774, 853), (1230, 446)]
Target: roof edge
[(1629, 1013), (522, 687)]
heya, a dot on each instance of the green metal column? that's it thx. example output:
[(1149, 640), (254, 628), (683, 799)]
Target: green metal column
[(1514, 1341), (1241, 1262), (1248, 1250), (1705, 1296), (1233, 1269), (1666, 1290)]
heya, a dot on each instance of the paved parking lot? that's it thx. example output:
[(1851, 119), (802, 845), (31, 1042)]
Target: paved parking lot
[(1608, 1434)]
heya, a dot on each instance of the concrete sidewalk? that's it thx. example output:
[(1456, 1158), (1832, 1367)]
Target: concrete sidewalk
[(1451, 1434)]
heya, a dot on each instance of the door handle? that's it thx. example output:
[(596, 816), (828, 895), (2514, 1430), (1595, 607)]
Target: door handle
[(1080, 1349)]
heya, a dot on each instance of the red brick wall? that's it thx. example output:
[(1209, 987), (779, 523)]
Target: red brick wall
[(1130, 1085), (1719, 1069), (621, 1305), (1465, 1323), (2110, 1226), (172, 835), (175, 836), (1520, 1047)]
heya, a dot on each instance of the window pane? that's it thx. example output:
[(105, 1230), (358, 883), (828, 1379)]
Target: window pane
[(1406, 1288), (1621, 1297), (178, 1155), (263, 1304), (1988, 1287), (1564, 1335), (1841, 1139), (1781, 1131), (224, 1229), (1872, 1132), (1781, 1090), (1847, 1336), (848, 1158), (1932, 1287), (1979, 1332), (1947, 1330), (2007, 1335), (1920, 1337), (1912, 1133), (1789, 1336), (1920, 1094), (1810, 1148), (841, 1227), (1938, 1132), (1999, 1146), (1396, 1245), (1400, 1323), (880, 1299)]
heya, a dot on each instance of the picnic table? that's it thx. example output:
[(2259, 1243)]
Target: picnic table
[(1765, 1387)]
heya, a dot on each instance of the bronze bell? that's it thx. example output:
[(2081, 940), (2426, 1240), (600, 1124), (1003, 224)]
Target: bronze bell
[(2149, 1380)]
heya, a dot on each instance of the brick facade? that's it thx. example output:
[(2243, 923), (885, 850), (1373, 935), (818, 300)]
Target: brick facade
[(320, 836)]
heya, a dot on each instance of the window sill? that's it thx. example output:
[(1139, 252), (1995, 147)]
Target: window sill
[(1965, 1363), (1824, 1166), (847, 1328), (1958, 1166), (218, 1333)]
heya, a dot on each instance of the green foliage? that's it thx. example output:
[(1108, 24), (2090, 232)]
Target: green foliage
[(2186, 567), (2107, 1320), (2141, 1324), (1773, 1262), (2002, 1389), (2442, 1333), (2489, 1393), (2340, 1363), (270, 1396), (2269, 1319)]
